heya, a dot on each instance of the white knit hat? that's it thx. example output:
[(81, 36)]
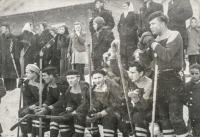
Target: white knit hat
[(33, 67)]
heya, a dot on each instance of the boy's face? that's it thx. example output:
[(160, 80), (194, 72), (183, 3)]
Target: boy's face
[(193, 23), (62, 30), (29, 74), (134, 75), (72, 80), (195, 74), (47, 78), (98, 79), (155, 26)]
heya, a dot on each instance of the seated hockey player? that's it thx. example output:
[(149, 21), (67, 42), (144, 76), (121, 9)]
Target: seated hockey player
[(106, 97), (54, 103), (30, 96), (136, 83), (77, 102)]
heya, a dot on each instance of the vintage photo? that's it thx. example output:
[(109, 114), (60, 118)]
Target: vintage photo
[(100, 68)]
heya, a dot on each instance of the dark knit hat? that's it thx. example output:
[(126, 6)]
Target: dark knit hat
[(72, 72), (155, 15), (99, 72), (99, 21), (48, 68)]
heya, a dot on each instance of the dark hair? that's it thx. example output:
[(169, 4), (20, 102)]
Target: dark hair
[(66, 29), (102, 1), (6, 25), (138, 66), (128, 3), (45, 25), (197, 66), (50, 72), (193, 18)]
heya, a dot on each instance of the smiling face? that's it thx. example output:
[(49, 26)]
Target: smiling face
[(156, 26), (195, 74), (98, 79), (134, 75), (98, 5), (72, 80), (47, 78), (193, 23)]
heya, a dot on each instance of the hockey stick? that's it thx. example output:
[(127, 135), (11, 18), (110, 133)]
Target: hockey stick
[(154, 95), (40, 93), (117, 46), (33, 116)]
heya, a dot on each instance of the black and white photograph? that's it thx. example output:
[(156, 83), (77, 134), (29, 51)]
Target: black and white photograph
[(100, 68)]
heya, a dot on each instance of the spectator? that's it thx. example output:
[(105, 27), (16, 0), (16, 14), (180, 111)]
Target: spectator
[(127, 28), (102, 39), (193, 42), (101, 12), (78, 49), (2, 93)]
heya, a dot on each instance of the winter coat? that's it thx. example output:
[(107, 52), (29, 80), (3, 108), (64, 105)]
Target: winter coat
[(27, 42), (178, 13), (77, 42), (193, 95), (2, 89), (106, 15), (101, 42), (193, 41), (127, 28), (79, 102), (7, 66), (145, 13)]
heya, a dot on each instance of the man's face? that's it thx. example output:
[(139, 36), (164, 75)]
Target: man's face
[(133, 74), (95, 25), (72, 80), (193, 23), (98, 5), (98, 79), (62, 30), (30, 74), (77, 28), (47, 78), (125, 7), (4, 30), (195, 74), (41, 27), (155, 26)]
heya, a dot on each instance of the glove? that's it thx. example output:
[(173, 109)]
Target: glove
[(32, 107), (68, 116), (94, 117), (91, 112), (25, 111), (21, 81), (147, 39), (134, 95), (114, 46), (43, 111), (69, 109)]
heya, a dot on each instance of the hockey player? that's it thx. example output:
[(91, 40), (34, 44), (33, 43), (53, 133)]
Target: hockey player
[(54, 103), (106, 97), (169, 49), (30, 96), (77, 102), (138, 87)]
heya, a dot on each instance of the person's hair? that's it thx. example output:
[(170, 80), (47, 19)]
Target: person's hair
[(6, 25), (102, 1), (66, 29), (193, 18), (128, 3), (45, 25), (138, 66), (195, 66), (50, 72)]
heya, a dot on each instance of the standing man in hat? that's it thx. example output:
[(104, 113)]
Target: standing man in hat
[(149, 7), (101, 41), (168, 46), (10, 68), (54, 103), (101, 12), (77, 102), (30, 97), (107, 96)]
